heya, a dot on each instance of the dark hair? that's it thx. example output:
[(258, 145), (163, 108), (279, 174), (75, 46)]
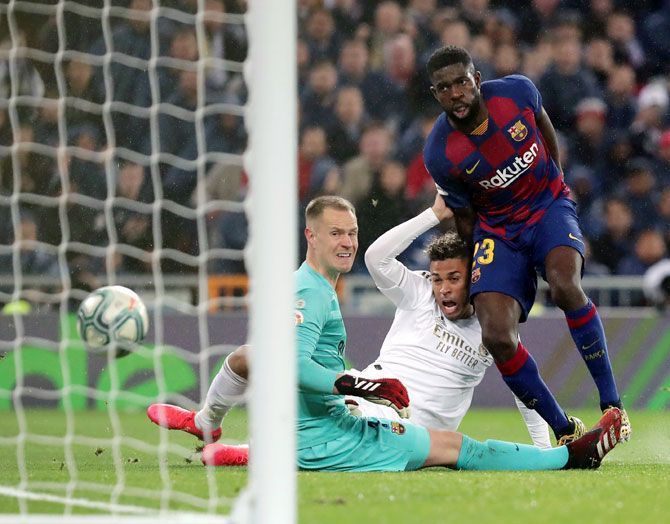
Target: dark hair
[(446, 56), (317, 206), (449, 245)]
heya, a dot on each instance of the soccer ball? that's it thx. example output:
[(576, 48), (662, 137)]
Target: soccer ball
[(112, 314)]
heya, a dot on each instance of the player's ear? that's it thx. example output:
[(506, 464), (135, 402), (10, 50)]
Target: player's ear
[(478, 79), (433, 92)]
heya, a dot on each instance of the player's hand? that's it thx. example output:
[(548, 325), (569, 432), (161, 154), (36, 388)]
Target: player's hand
[(386, 391), (442, 212)]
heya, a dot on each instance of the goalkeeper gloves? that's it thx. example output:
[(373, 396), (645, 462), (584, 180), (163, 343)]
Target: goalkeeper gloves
[(386, 391)]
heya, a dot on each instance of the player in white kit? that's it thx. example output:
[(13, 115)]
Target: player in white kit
[(434, 345)]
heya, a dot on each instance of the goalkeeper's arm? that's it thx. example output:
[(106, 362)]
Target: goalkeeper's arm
[(387, 391)]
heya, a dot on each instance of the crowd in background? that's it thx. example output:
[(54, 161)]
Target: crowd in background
[(365, 109)]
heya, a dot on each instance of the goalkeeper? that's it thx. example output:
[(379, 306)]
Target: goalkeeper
[(329, 438)]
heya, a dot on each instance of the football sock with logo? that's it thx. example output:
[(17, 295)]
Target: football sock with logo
[(521, 375), (587, 331), (497, 455), (226, 390)]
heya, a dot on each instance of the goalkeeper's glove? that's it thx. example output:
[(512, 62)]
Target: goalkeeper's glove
[(386, 391)]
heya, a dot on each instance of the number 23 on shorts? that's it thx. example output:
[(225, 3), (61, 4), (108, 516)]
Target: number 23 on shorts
[(485, 251)]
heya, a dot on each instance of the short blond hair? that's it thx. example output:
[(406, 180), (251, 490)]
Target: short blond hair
[(318, 205)]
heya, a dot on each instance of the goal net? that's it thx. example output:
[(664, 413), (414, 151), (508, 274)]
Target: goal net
[(150, 144)]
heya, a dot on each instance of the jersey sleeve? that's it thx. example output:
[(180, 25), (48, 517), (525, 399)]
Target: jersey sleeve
[(528, 92), (453, 190), (312, 376), (400, 285)]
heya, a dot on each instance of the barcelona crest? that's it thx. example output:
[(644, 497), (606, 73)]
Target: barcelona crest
[(397, 428), (476, 274), (518, 131)]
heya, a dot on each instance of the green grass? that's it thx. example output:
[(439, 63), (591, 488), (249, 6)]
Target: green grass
[(630, 486)]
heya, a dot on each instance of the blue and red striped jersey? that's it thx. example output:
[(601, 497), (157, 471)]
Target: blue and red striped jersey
[(502, 170)]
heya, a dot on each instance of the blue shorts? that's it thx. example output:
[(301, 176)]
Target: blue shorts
[(510, 267), (372, 445)]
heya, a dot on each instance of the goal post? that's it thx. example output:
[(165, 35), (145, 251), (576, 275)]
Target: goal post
[(42, 361), (272, 256)]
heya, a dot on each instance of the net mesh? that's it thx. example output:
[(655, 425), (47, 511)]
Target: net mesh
[(121, 142)]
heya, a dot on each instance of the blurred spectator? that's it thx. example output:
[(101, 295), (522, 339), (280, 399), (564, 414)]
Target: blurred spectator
[(565, 83), (649, 248), (318, 99), (599, 58), (79, 80), (224, 41), (620, 96), (326, 179), (130, 84), (589, 142), (312, 148), (596, 16), (34, 258), (536, 60), (652, 106), (360, 172), (656, 37), (663, 210), (621, 32), (379, 92), (133, 226), (320, 35), (537, 19), (638, 191), (662, 159), (506, 61), (35, 169), (384, 206), (388, 23), (184, 49), (345, 132), (616, 241), (475, 13)]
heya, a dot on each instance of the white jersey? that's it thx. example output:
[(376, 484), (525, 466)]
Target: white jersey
[(439, 361)]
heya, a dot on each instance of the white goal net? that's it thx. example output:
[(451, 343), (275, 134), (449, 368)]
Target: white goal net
[(151, 144)]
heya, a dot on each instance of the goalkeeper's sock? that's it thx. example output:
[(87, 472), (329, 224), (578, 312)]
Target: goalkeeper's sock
[(521, 375), (226, 390), (588, 333), (495, 455)]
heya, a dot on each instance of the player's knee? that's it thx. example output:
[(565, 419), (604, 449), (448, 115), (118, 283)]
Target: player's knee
[(500, 342), (239, 362), (566, 292)]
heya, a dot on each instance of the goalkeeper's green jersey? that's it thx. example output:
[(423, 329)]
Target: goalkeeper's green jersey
[(322, 416)]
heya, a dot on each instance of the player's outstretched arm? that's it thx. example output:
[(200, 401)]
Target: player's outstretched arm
[(386, 391), (380, 257)]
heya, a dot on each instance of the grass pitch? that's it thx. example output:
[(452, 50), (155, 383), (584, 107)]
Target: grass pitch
[(631, 485)]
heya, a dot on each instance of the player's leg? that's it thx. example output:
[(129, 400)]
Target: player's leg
[(537, 426), (451, 449), (498, 315), (561, 250), (226, 390)]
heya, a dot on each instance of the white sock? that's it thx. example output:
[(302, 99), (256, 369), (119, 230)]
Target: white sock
[(226, 390), (537, 427)]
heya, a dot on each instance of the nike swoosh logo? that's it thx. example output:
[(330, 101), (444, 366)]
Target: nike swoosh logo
[(471, 170), (584, 348), (573, 237)]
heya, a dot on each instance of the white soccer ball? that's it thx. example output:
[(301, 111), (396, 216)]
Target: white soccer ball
[(112, 314)]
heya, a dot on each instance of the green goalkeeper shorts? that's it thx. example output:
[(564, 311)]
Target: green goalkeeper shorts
[(372, 445)]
